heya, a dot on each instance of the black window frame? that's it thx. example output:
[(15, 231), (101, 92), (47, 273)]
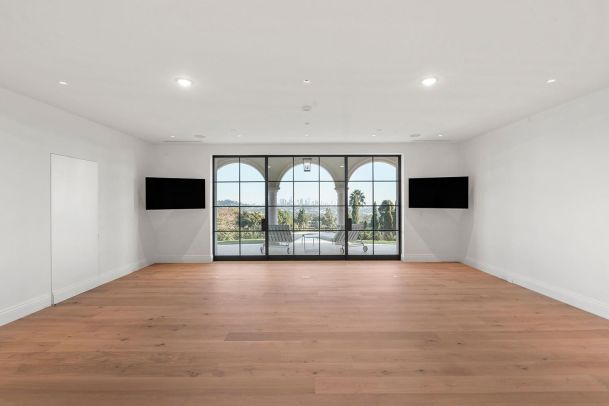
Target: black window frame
[(265, 256)]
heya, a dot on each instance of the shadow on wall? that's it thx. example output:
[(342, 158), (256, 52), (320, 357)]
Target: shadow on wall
[(180, 234), (439, 234), (467, 221), (146, 243)]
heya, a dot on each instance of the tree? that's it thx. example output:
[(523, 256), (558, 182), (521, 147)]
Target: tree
[(387, 217), (302, 219), (284, 217), (251, 219), (375, 217), (328, 220), (356, 199), (227, 218)]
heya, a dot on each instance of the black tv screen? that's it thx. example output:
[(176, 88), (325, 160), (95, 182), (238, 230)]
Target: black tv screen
[(175, 193), (438, 193)]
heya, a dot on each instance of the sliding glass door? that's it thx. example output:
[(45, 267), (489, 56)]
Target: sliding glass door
[(306, 207)]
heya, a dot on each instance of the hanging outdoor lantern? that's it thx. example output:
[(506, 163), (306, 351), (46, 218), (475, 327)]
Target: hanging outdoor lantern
[(306, 163)]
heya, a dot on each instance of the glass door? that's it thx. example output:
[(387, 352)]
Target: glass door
[(280, 206), (306, 207), (306, 212), (239, 207), (373, 206)]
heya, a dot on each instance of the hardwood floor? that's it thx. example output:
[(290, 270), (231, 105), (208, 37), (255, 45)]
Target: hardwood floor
[(306, 333)]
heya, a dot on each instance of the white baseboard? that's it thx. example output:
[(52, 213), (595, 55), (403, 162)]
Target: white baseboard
[(487, 269), (59, 295), (429, 258), (123, 271), (569, 297), (183, 259), (35, 304), (22, 309)]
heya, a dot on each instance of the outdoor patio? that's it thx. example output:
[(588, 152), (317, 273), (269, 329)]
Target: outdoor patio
[(312, 243)]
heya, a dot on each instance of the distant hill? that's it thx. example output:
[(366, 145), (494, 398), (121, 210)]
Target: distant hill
[(227, 202)]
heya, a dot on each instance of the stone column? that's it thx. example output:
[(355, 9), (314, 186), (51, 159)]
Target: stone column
[(273, 189), (340, 200)]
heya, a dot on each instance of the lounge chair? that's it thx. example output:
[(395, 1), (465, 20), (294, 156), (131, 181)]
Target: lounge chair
[(352, 239), (279, 235)]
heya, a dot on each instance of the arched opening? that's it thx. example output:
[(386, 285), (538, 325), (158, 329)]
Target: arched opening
[(239, 169), (239, 204), (373, 200), (306, 205)]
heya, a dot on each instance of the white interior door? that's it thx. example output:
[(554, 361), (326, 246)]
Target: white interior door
[(74, 226)]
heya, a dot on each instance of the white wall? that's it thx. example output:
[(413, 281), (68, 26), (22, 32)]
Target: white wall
[(540, 214), (29, 132), (184, 235), (74, 225)]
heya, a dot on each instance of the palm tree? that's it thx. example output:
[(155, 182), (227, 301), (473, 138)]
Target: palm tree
[(356, 199)]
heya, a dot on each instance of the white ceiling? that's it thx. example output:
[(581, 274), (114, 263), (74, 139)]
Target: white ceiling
[(248, 59)]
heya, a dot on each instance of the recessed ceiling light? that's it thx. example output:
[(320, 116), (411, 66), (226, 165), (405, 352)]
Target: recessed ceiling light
[(429, 81), (172, 136), (440, 135), (373, 135), (306, 81), (550, 80), (63, 83), (306, 135), (184, 82), (342, 166)]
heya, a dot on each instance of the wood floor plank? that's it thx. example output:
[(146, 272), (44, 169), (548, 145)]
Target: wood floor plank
[(458, 384), (302, 333)]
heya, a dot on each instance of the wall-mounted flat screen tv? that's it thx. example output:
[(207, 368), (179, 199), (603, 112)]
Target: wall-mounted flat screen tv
[(175, 193), (438, 193)]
